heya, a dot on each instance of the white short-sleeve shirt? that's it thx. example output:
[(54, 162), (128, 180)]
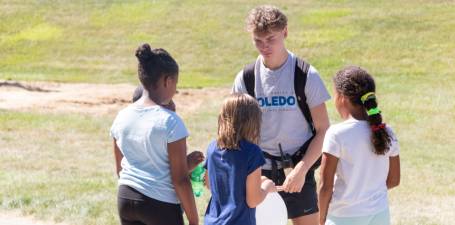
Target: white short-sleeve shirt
[(360, 181)]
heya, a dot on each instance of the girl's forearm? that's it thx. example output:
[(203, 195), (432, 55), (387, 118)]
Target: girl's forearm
[(325, 194), (185, 194), (118, 158)]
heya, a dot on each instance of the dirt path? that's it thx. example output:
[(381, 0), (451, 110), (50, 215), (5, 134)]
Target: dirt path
[(15, 218), (98, 99)]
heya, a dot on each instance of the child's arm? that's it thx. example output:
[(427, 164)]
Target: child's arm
[(118, 158), (206, 179), (257, 188), (328, 169), (393, 178), (180, 179)]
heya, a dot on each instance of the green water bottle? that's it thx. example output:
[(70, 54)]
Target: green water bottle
[(197, 180)]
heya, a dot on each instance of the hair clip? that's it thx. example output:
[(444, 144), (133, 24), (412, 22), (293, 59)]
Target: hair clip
[(377, 127), (373, 111), (367, 96)]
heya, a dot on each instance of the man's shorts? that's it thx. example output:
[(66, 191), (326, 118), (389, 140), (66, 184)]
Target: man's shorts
[(298, 204)]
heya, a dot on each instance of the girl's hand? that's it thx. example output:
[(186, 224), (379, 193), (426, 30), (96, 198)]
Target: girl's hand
[(295, 180), (193, 159), (268, 186)]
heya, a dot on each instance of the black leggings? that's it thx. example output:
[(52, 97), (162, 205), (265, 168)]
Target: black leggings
[(137, 209)]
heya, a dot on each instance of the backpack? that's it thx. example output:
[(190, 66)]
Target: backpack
[(300, 78)]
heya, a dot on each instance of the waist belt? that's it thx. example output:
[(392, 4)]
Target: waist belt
[(288, 161)]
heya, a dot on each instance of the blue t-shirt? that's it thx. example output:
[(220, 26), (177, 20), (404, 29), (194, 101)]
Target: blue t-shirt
[(227, 172), (142, 134)]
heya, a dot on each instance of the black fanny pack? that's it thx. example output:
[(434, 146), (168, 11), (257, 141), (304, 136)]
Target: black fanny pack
[(289, 161)]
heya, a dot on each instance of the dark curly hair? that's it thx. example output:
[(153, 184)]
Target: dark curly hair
[(355, 82), (154, 64)]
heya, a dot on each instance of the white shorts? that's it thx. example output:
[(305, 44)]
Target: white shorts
[(382, 218)]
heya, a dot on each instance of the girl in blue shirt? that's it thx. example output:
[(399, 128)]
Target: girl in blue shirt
[(234, 165)]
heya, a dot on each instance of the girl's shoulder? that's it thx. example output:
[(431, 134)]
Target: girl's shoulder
[(124, 113), (348, 126), (213, 145), (245, 147), (338, 128), (170, 115), (249, 147), (166, 116)]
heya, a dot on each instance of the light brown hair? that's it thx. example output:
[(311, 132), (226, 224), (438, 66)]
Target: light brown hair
[(239, 119), (264, 19)]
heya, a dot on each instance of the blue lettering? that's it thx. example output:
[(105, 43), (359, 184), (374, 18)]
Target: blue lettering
[(267, 103), (275, 100), (261, 102), (282, 100), (291, 100)]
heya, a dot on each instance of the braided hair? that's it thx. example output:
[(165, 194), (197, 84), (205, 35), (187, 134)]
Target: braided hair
[(356, 84)]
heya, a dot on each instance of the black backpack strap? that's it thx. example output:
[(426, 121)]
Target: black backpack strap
[(301, 74), (248, 78)]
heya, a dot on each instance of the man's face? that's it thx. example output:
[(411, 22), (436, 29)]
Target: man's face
[(270, 43)]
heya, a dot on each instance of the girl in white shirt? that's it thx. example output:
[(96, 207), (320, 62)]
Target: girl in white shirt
[(360, 156)]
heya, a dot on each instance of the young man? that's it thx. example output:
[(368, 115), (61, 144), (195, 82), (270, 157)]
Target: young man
[(284, 125)]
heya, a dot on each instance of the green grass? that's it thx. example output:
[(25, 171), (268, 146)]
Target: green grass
[(75, 41), (60, 166), (57, 166)]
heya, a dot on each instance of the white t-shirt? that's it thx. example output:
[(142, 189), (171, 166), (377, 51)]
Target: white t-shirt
[(360, 181), (142, 134), (282, 120)]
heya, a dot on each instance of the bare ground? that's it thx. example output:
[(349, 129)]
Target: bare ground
[(15, 218), (97, 99)]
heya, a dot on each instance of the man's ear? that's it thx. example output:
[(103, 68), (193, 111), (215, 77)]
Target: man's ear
[(285, 31)]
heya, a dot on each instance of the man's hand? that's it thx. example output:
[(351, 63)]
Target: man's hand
[(295, 180)]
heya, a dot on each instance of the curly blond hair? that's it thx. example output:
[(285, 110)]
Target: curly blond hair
[(239, 119), (265, 18)]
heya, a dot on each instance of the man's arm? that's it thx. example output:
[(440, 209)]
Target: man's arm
[(296, 179), (321, 124)]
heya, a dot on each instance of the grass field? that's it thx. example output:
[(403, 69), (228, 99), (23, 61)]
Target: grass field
[(59, 166)]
